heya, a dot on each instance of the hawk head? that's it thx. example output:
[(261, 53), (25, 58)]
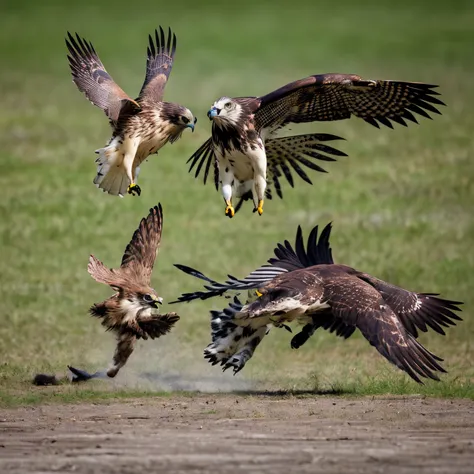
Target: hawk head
[(225, 111), (179, 118), (135, 298)]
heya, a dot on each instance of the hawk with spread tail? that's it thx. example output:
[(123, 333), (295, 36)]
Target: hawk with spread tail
[(248, 158), (305, 285), (141, 127), (132, 311)]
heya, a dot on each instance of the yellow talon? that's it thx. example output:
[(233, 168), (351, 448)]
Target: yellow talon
[(258, 293), (229, 210), (260, 207), (134, 188)]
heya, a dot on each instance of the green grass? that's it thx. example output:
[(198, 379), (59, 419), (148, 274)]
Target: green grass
[(401, 203)]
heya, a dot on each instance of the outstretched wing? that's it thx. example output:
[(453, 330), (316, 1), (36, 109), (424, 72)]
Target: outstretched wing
[(100, 273), (160, 57), (287, 258), (296, 152), (328, 97), (90, 77), (158, 324), (357, 303), (140, 254), (416, 310)]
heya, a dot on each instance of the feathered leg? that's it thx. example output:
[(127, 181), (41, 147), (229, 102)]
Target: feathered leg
[(130, 146), (259, 181), (240, 358), (226, 178), (125, 346)]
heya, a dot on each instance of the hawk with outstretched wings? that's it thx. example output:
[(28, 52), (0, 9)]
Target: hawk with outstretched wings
[(246, 155), (305, 285), (141, 127), (132, 311)]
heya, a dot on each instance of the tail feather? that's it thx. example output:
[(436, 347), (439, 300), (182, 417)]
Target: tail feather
[(111, 175)]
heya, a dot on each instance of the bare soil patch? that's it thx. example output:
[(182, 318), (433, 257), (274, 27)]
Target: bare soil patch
[(235, 434)]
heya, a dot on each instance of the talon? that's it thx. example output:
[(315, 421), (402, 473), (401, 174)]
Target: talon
[(229, 210), (259, 208), (134, 188)]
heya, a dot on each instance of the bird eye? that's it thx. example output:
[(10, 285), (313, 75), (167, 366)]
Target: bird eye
[(185, 120), (147, 298), (228, 105)]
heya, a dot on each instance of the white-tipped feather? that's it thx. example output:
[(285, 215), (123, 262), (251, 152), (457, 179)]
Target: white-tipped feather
[(111, 167)]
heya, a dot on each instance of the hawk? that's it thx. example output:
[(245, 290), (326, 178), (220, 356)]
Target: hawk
[(140, 127), (246, 154), (131, 313), (305, 285)]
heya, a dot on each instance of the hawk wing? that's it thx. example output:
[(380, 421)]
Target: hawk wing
[(284, 154), (100, 273), (140, 254), (356, 303), (160, 57), (90, 77), (327, 97), (205, 155), (416, 310), (287, 258)]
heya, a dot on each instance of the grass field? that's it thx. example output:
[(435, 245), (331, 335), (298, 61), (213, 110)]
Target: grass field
[(401, 203)]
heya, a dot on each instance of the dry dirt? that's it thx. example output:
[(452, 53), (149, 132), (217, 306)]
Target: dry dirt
[(236, 434)]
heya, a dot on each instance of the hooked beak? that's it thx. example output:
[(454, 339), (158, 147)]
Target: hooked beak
[(191, 125), (213, 112), (158, 300)]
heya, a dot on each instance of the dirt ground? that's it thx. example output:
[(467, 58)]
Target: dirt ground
[(236, 434)]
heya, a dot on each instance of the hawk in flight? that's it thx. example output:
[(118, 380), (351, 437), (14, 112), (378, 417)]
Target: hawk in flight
[(246, 154), (305, 285), (132, 311), (141, 126)]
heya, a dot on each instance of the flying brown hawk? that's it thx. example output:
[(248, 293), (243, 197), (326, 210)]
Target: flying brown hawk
[(305, 285), (246, 154), (132, 311), (141, 126)]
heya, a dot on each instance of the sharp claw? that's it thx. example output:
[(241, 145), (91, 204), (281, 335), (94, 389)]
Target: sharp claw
[(134, 188), (229, 211)]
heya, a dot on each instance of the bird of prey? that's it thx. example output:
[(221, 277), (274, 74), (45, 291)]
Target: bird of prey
[(247, 155), (140, 127), (305, 285), (131, 313)]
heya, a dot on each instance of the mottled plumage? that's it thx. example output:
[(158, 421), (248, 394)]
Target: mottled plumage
[(141, 126), (305, 285), (132, 311), (245, 154)]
